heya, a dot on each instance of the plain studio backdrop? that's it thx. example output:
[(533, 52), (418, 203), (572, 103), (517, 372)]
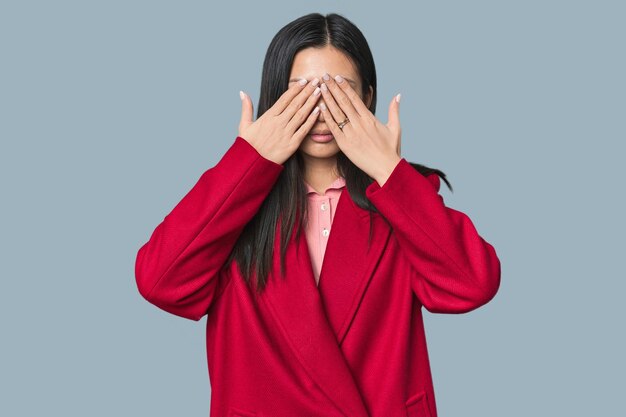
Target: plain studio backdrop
[(110, 111)]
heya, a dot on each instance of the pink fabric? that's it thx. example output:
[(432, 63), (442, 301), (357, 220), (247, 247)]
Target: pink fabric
[(321, 211)]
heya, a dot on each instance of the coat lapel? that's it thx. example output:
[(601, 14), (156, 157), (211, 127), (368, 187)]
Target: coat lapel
[(348, 263), (315, 320)]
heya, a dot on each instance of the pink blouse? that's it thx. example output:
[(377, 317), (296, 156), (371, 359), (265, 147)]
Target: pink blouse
[(321, 211)]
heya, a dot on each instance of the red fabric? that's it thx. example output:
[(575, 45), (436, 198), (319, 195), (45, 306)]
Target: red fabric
[(354, 346), (321, 211)]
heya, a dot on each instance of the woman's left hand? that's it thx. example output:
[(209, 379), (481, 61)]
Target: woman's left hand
[(371, 145)]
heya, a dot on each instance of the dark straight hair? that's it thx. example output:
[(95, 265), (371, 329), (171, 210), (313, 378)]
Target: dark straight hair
[(286, 203)]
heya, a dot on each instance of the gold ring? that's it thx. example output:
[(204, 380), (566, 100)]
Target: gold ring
[(342, 124)]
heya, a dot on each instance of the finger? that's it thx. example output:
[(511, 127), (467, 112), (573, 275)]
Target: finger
[(301, 133), (284, 100), (247, 110), (304, 111), (394, 114), (337, 114), (299, 100), (342, 100), (331, 122), (355, 99)]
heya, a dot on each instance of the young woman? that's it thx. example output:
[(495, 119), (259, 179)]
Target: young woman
[(301, 321)]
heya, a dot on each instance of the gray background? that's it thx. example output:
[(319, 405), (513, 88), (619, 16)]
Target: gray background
[(110, 111)]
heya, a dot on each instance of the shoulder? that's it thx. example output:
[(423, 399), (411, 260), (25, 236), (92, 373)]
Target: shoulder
[(434, 180)]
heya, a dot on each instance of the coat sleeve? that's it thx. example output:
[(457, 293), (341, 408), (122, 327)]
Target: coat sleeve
[(455, 269), (177, 268)]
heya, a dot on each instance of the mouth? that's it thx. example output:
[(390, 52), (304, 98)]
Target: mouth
[(322, 137)]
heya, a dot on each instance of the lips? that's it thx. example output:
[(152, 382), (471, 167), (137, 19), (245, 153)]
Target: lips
[(322, 138)]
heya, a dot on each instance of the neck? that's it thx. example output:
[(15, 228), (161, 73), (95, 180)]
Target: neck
[(320, 172)]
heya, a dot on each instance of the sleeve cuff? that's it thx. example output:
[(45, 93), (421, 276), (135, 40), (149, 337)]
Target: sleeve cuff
[(397, 181), (241, 160), (242, 146)]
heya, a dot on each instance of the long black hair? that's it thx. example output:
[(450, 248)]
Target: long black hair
[(287, 200)]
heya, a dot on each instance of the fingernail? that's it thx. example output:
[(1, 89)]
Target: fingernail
[(324, 87), (303, 81), (322, 106), (398, 98), (339, 79), (326, 77), (317, 91), (242, 94), (315, 81), (316, 109)]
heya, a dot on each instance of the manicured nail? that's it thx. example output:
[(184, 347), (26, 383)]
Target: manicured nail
[(398, 98), (316, 91), (315, 82), (316, 109), (242, 94), (338, 78), (303, 81), (326, 77), (322, 106), (324, 87)]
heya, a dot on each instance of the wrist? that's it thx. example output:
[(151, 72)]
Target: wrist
[(386, 169)]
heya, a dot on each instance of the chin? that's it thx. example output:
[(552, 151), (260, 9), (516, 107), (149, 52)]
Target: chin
[(319, 150)]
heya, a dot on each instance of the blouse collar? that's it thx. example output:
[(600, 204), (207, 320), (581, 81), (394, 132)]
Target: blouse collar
[(339, 183)]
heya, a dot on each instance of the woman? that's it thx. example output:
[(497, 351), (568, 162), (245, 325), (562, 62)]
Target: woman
[(288, 334)]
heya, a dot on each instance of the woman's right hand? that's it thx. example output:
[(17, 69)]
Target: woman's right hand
[(278, 133)]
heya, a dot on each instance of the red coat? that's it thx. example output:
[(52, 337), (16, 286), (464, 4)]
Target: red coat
[(355, 345)]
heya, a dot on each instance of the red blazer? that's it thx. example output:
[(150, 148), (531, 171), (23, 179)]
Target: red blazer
[(355, 345)]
